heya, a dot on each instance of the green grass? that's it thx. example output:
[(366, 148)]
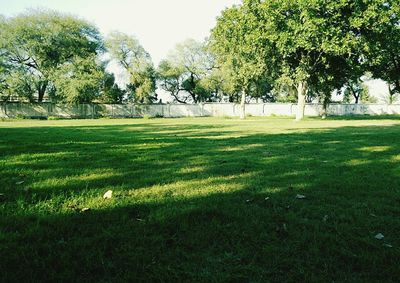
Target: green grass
[(200, 200)]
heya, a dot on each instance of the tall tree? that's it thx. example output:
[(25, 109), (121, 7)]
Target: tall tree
[(392, 96), (329, 78), (37, 43), (357, 91), (136, 61), (310, 37), (237, 40), (78, 81), (220, 84), (380, 25), (110, 91), (184, 71)]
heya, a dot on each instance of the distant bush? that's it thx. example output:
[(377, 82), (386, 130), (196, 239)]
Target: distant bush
[(20, 117)]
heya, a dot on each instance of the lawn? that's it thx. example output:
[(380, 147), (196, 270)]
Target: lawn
[(200, 200)]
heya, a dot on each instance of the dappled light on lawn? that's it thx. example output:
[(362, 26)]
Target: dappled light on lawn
[(200, 199)]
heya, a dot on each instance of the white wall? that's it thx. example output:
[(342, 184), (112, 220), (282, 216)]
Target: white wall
[(12, 110)]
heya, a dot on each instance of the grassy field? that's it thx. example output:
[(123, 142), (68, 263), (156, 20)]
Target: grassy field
[(200, 200)]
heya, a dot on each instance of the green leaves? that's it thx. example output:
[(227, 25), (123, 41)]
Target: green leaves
[(239, 43), (134, 59), (255, 48), (79, 81), (381, 36), (317, 43), (38, 45), (186, 72), (128, 52)]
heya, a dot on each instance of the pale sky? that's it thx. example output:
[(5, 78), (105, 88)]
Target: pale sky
[(158, 24)]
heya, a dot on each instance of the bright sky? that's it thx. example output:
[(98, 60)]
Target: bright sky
[(158, 24)]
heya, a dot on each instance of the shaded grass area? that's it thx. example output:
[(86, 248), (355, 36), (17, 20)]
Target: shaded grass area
[(363, 117), (200, 200)]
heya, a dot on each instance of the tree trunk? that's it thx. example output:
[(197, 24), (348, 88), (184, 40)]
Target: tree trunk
[(41, 90), (397, 86), (243, 106), (5, 108), (325, 104), (391, 95), (301, 100), (355, 95)]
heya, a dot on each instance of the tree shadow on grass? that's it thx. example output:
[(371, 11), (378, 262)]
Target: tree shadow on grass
[(361, 117), (200, 205)]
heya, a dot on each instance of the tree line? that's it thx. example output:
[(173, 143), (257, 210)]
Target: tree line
[(311, 47), (267, 50)]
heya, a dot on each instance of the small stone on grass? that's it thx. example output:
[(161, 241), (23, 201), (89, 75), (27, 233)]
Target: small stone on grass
[(379, 236), (300, 196), (108, 195)]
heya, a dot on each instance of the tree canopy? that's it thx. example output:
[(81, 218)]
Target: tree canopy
[(268, 50), (183, 73), (238, 40), (136, 61), (314, 46), (381, 32), (37, 44)]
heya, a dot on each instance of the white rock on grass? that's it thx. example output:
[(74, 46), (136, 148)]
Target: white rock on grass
[(108, 195), (379, 236), (300, 196)]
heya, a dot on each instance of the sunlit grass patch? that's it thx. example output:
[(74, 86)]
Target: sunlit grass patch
[(375, 148)]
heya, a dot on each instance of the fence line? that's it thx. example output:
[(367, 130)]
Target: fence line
[(45, 110)]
